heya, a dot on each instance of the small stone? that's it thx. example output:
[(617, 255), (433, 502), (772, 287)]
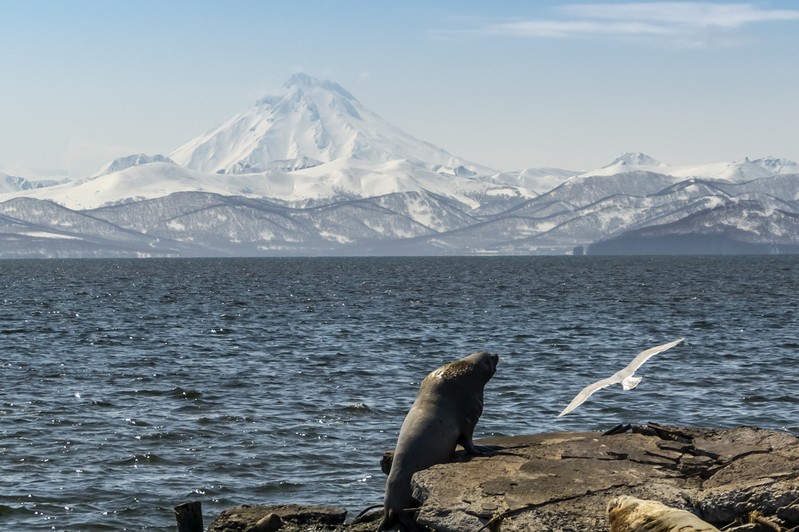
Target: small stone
[(268, 523), (789, 514)]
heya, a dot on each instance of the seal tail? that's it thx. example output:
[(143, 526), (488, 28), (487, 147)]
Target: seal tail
[(365, 511)]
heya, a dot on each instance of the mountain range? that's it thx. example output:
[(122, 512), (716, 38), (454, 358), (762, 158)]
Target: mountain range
[(309, 170)]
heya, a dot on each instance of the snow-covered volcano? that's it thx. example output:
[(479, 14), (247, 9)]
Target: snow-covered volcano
[(307, 123), (311, 140)]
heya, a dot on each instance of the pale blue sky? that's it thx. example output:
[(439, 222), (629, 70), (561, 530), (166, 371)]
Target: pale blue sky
[(511, 85)]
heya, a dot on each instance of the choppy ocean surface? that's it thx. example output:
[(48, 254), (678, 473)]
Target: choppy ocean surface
[(130, 386)]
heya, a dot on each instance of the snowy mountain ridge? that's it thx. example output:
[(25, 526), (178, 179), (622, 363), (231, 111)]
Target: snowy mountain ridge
[(309, 170), (313, 140), (13, 184), (733, 171), (141, 176), (135, 159)]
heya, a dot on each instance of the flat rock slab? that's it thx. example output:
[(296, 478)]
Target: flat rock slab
[(564, 481), (735, 479)]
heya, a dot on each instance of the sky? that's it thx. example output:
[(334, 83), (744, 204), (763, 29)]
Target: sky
[(506, 84)]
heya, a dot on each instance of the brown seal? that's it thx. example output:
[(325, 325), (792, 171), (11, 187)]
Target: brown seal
[(444, 414)]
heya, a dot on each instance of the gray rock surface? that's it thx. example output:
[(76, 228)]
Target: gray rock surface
[(734, 479), (564, 481)]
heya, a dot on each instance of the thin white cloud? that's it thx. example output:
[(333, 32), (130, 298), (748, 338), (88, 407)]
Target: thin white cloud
[(679, 21), (683, 14), (561, 28)]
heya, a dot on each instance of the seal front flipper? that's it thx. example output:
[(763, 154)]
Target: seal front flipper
[(477, 450), (487, 450)]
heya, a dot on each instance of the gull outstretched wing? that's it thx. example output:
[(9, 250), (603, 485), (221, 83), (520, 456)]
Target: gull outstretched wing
[(643, 356), (586, 392)]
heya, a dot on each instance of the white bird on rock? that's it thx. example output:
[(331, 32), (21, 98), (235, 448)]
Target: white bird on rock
[(624, 376)]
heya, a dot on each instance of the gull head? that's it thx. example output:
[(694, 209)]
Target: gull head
[(628, 383)]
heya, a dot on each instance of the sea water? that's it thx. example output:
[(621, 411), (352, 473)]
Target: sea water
[(130, 386)]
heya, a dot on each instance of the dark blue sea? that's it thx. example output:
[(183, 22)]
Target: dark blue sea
[(130, 386)]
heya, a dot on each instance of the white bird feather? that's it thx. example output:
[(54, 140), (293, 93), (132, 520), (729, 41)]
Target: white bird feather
[(624, 376)]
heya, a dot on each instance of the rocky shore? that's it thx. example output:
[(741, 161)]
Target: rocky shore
[(740, 479)]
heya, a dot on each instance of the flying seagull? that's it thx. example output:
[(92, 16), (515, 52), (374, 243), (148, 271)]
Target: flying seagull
[(625, 376)]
